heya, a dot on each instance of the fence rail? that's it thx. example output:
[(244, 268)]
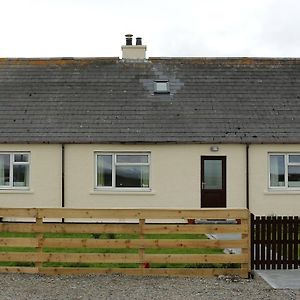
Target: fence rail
[(275, 242), (147, 246)]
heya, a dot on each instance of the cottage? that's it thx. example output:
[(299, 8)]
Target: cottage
[(156, 132)]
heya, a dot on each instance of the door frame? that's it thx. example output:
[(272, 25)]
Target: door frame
[(224, 175)]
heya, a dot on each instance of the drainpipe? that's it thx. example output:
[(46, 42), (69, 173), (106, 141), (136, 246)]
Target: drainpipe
[(247, 176), (63, 178), (62, 175)]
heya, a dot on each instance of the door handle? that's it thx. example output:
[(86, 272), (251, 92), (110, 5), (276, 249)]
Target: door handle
[(203, 185)]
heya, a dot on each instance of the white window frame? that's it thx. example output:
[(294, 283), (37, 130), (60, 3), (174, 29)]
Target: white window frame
[(286, 172), (114, 164), (12, 163)]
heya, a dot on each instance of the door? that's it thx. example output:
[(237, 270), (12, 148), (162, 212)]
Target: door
[(213, 181)]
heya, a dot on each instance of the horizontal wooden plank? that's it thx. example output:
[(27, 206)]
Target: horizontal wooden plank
[(91, 257), (144, 213), (122, 257), (195, 229), (218, 213), (207, 272), (69, 228), (69, 257), (123, 228), (142, 243), (19, 256), (18, 242), (19, 212), (28, 270), (196, 258)]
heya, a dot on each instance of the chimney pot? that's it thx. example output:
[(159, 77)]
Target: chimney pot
[(128, 39), (138, 41)]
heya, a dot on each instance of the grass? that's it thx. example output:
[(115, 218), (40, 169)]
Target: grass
[(112, 250)]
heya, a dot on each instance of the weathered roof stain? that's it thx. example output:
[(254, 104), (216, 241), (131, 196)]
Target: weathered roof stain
[(108, 100)]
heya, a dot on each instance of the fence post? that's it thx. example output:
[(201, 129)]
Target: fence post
[(252, 228), (143, 264), (246, 267), (39, 248)]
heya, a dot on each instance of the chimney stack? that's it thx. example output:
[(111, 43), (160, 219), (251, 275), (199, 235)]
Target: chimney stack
[(134, 52)]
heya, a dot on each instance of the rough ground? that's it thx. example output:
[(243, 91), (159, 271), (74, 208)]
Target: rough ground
[(24, 286)]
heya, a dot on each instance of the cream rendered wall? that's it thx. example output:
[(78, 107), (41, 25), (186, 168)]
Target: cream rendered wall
[(264, 201), (45, 178), (175, 176)]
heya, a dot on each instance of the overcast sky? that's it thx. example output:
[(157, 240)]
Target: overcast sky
[(79, 28)]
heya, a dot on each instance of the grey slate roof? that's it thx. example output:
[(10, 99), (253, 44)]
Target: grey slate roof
[(107, 100)]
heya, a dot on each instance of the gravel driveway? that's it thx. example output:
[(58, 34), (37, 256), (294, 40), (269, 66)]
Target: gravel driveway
[(24, 286)]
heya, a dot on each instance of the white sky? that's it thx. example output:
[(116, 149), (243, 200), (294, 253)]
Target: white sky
[(79, 28)]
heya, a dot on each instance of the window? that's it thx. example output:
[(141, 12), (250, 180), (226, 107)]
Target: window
[(14, 170), (161, 87), (122, 170), (285, 171)]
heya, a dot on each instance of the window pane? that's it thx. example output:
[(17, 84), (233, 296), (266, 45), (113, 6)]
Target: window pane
[(277, 177), (21, 157), (20, 175), (104, 170), (213, 174), (4, 169), (132, 176), (294, 176), (294, 159), (132, 159), (161, 86)]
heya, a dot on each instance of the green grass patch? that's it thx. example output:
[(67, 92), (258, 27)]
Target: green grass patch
[(17, 249), (17, 234), (89, 265), (16, 264)]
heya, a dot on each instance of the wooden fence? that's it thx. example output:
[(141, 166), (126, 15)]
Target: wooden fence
[(145, 246), (275, 242)]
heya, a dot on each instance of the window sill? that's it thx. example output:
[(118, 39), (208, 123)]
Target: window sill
[(16, 191), (123, 192), (282, 192)]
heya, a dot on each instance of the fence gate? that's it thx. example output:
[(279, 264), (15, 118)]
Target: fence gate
[(275, 242)]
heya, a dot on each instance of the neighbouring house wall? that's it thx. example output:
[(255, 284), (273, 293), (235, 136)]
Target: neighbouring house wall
[(265, 201), (175, 176), (45, 178)]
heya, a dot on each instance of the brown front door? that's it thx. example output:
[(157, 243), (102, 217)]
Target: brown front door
[(213, 181)]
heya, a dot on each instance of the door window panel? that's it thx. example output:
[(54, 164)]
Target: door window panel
[(212, 174)]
